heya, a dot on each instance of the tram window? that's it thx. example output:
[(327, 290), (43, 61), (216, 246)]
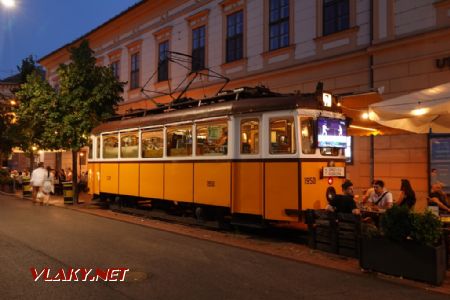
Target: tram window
[(152, 143), (179, 141), (328, 151), (282, 136), (91, 147), (98, 146), (212, 138), (110, 146), (129, 145), (250, 136), (307, 135)]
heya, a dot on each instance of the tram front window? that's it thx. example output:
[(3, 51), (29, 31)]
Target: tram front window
[(179, 141), (129, 145), (91, 148), (152, 144), (250, 136), (110, 146), (282, 135), (307, 135), (212, 138), (99, 143)]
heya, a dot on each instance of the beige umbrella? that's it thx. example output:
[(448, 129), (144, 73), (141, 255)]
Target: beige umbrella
[(418, 112)]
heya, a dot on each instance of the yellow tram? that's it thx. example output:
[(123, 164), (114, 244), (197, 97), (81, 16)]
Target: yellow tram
[(249, 154)]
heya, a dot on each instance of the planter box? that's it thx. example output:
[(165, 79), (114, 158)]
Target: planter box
[(407, 259)]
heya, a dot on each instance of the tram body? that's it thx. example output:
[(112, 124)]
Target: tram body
[(268, 166)]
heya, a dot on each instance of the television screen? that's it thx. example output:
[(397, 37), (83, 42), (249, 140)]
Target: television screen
[(331, 133)]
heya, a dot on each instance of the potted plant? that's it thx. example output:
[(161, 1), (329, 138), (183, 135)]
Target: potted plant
[(408, 245)]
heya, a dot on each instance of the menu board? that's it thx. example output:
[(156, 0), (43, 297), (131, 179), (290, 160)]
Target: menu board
[(440, 159)]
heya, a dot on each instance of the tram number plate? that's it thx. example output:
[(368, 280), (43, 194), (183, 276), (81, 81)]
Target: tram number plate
[(210, 183), (310, 180)]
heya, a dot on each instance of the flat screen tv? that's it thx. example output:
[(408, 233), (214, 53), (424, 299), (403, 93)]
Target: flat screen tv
[(331, 133)]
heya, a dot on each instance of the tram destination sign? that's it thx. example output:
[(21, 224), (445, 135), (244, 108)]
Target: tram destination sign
[(333, 172)]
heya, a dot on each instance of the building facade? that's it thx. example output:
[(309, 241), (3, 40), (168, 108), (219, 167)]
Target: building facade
[(394, 47)]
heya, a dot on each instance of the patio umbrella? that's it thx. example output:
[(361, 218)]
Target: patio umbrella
[(418, 112)]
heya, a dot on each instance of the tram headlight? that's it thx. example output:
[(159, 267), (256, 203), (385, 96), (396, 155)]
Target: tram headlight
[(330, 180)]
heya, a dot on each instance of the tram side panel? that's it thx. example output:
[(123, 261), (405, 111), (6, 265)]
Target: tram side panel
[(179, 181), (313, 187), (109, 178), (151, 180), (129, 179), (248, 188), (281, 190), (212, 183), (93, 178)]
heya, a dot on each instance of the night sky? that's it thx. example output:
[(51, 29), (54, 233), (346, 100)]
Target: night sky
[(38, 27)]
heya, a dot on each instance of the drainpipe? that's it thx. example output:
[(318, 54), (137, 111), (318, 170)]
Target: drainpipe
[(371, 85)]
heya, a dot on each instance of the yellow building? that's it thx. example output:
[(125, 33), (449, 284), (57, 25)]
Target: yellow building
[(394, 47)]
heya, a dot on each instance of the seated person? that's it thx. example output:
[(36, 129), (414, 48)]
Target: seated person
[(438, 198), (345, 203), (380, 197), (369, 191)]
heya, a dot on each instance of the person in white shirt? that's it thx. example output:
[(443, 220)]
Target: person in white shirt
[(380, 197), (38, 177)]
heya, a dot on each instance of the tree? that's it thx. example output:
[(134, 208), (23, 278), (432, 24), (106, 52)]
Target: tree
[(87, 95)]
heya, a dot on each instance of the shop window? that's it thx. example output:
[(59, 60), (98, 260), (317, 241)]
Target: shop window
[(179, 141), (163, 61), (278, 24), (235, 36), (212, 138), (328, 151), (307, 135), (129, 145), (198, 48), (99, 143), (336, 16), (250, 136), (282, 136), (134, 73), (110, 146), (152, 143)]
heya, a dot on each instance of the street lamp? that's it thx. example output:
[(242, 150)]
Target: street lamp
[(81, 155), (8, 3)]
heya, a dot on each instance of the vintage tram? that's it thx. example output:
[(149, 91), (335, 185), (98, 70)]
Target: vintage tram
[(247, 155)]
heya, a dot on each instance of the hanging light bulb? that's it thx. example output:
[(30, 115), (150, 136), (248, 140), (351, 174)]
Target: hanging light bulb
[(419, 111)]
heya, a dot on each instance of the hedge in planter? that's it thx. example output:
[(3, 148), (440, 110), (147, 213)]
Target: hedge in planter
[(409, 246)]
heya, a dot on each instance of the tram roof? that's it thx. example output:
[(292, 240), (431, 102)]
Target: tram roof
[(213, 107)]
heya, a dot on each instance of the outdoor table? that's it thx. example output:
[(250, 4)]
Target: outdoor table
[(373, 213)]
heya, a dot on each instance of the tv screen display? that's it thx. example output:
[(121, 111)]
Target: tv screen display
[(331, 133)]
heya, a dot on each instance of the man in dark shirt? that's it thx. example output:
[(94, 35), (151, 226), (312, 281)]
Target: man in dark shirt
[(438, 198), (345, 203)]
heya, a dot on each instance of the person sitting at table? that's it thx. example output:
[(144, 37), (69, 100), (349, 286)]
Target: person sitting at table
[(438, 198), (345, 203), (369, 191), (407, 196), (380, 197)]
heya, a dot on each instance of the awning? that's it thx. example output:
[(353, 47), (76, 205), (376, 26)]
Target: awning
[(418, 112)]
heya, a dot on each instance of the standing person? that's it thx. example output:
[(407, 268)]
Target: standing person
[(407, 196), (380, 197), (69, 174), (48, 186), (37, 180)]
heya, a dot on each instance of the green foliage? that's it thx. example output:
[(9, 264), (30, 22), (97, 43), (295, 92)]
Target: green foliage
[(427, 228), (399, 224), (396, 223)]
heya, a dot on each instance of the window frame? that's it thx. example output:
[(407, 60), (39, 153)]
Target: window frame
[(234, 38), (198, 53), (260, 137), (115, 67), (135, 60), (336, 17), (163, 63), (278, 23)]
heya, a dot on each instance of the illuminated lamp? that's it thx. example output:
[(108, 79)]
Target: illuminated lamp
[(330, 180)]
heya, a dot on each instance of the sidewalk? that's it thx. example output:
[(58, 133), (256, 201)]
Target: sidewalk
[(287, 250)]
